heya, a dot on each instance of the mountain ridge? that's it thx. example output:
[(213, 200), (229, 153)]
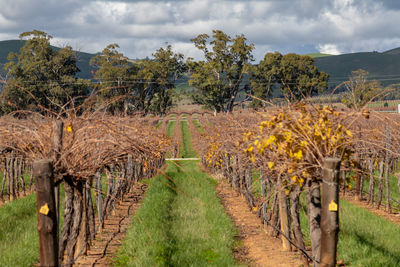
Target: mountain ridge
[(382, 66)]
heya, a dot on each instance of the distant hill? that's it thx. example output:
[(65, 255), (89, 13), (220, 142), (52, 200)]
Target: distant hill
[(395, 51), (315, 55), (384, 67), (15, 45)]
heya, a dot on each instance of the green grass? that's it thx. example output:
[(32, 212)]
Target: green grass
[(19, 243), (393, 188), (159, 124), (198, 125), (365, 239), (182, 222), (171, 128), (186, 146), (19, 240)]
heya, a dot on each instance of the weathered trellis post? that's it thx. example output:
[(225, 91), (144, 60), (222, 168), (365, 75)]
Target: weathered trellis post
[(283, 215), (387, 170), (57, 144), (99, 198), (330, 211), (46, 212)]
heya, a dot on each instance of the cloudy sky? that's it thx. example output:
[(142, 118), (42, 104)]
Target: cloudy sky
[(140, 27)]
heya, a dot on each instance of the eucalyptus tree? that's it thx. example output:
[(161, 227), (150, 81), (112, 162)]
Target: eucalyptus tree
[(114, 72), (156, 79), (220, 76), (142, 85), (41, 78), (296, 77), (360, 90)]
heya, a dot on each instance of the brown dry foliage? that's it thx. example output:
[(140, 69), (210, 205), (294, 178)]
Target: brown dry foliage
[(89, 142)]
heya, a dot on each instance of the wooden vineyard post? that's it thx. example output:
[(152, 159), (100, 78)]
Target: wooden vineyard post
[(57, 144), (358, 193), (387, 170), (46, 212), (99, 199), (330, 211), (284, 216)]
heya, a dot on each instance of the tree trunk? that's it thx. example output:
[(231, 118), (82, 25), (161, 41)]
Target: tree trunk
[(274, 221), (21, 175), (380, 185), (68, 214), (4, 177), (72, 245), (16, 178), (371, 182), (387, 185), (284, 217), (387, 170), (295, 219), (314, 218)]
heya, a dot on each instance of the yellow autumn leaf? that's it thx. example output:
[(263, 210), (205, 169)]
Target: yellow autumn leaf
[(298, 155), (271, 165), (303, 143), (249, 149)]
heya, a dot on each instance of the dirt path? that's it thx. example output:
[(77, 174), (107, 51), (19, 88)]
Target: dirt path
[(392, 217), (107, 243), (258, 248)]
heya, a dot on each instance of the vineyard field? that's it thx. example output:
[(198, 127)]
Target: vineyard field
[(180, 219)]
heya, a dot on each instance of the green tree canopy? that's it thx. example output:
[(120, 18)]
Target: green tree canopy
[(145, 85), (114, 72), (219, 77), (41, 78), (164, 70), (296, 76), (359, 90)]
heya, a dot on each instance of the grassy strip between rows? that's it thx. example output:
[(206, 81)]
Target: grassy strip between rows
[(171, 128), (19, 240), (181, 221), (393, 188), (159, 124), (198, 125)]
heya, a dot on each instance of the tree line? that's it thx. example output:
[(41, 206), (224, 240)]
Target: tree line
[(44, 79)]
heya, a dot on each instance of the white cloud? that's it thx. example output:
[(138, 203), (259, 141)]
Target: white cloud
[(140, 27), (329, 49)]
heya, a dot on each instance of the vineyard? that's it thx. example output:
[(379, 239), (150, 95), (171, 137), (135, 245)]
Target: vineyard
[(96, 158), (322, 184)]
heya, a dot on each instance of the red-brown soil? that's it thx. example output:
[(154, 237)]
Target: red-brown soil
[(258, 248), (108, 241)]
